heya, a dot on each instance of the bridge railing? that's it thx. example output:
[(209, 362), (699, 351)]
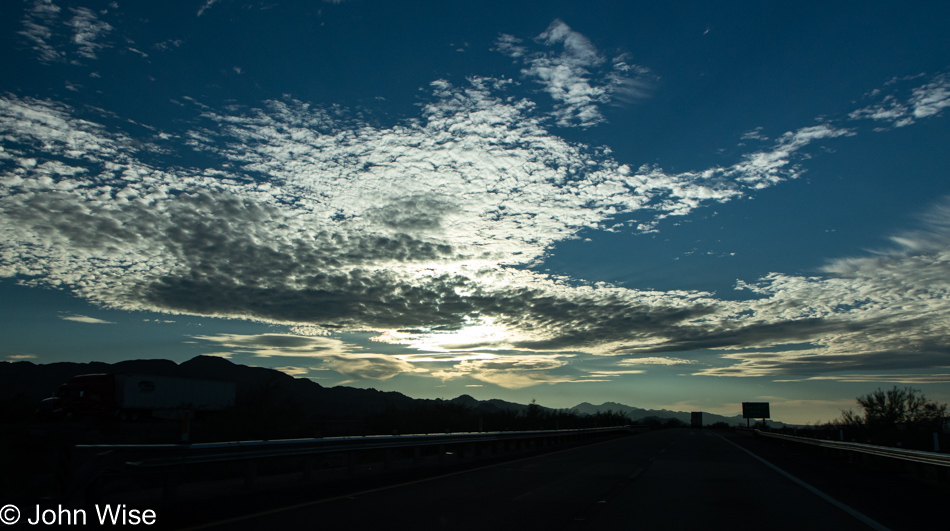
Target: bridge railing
[(170, 463)]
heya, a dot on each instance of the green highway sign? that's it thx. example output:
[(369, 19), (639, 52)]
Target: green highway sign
[(755, 410)]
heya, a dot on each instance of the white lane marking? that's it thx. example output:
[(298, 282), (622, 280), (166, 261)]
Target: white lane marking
[(871, 523)]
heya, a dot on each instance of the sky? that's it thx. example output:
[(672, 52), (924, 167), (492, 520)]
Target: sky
[(661, 204)]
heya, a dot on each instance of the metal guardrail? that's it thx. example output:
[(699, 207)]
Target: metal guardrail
[(173, 454), (914, 456), (103, 460)]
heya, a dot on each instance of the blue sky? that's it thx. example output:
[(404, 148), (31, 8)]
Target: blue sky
[(665, 205)]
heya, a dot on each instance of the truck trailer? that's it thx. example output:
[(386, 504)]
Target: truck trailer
[(696, 420), (134, 396)]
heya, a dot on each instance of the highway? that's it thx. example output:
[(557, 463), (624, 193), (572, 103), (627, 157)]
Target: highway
[(672, 479)]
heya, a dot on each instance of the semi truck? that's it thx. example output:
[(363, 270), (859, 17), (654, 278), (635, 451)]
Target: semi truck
[(135, 396), (696, 420)]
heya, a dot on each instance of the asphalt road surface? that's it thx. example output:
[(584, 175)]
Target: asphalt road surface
[(672, 479)]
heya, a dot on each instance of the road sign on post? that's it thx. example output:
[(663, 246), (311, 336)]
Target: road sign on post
[(755, 410)]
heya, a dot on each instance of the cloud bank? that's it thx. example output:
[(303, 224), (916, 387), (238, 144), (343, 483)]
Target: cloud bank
[(421, 232)]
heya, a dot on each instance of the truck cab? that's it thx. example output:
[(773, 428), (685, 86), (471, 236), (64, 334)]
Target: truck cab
[(135, 396), (88, 394)]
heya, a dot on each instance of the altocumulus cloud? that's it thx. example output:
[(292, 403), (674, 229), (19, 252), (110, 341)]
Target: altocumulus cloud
[(58, 35), (900, 109), (420, 231), (570, 77)]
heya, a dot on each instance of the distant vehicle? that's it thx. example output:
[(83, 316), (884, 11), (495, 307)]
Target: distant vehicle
[(696, 420), (135, 396)]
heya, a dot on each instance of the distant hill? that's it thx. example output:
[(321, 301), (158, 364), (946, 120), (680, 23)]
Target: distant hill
[(24, 381), (489, 406), (27, 383)]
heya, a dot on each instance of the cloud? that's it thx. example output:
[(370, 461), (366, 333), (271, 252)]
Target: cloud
[(207, 5), (331, 233), (288, 345), (307, 330), (655, 360), (37, 29), (84, 319), (369, 366), (326, 203), (910, 379), (768, 167), (755, 134), (294, 371), (576, 78), (87, 30), (331, 353), (168, 44), (317, 246), (510, 46), (511, 371), (606, 376), (54, 38), (888, 312), (422, 232), (924, 101)]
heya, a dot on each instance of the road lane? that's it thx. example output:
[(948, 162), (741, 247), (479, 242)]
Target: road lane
[(673, 479), (701, 480)]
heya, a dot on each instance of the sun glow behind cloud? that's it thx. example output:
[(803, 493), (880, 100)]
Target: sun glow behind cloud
[(475, 334)]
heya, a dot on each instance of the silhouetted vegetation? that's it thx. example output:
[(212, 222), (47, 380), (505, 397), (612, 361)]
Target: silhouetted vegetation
[(901, 417), (897, 407)]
